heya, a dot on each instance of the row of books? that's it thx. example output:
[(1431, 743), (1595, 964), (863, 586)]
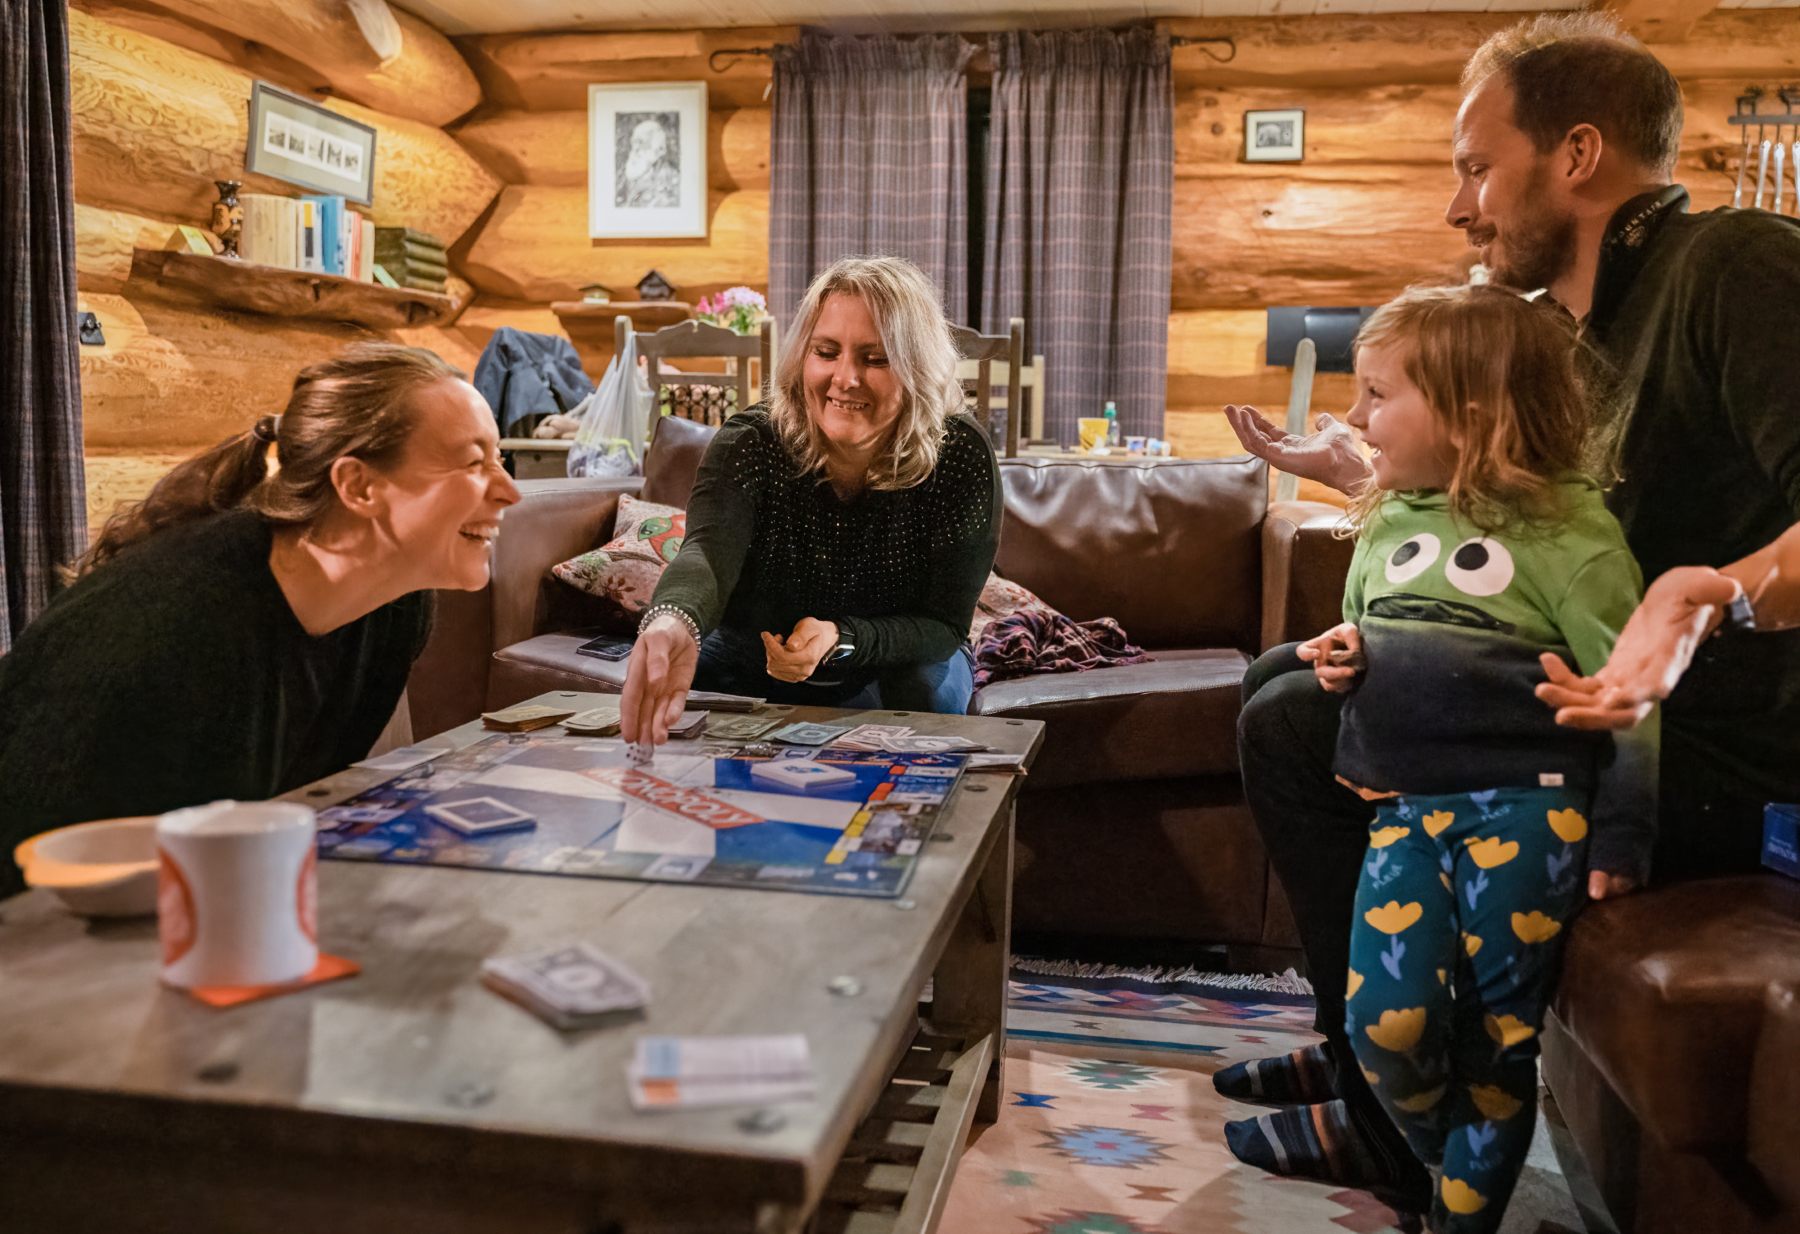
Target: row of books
[(321, 234)]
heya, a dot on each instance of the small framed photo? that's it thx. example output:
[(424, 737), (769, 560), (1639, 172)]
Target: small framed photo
[(1275, 136), (308, 145), (647, 160)]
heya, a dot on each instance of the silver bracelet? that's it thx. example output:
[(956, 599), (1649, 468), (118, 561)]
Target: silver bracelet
[(670, 610)]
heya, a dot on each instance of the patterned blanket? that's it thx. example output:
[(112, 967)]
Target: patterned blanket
[(1045, 641)]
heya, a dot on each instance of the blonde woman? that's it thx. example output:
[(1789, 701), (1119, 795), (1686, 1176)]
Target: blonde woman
[(838, 536)]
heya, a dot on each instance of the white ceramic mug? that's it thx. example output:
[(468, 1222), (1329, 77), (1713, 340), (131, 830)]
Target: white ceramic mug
[(237, 893)]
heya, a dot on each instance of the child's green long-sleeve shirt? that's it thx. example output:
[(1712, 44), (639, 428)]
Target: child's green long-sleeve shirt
[(1452, 624)]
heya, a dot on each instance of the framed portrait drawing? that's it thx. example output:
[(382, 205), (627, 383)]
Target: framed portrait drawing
[(1275, 136), (647, 160), (305, 144)]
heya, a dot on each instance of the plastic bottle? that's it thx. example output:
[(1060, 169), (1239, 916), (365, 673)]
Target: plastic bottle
[(1113, 440)]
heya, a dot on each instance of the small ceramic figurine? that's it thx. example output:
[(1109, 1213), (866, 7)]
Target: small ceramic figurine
[(228, 216)]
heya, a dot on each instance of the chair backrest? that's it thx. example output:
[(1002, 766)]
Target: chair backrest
[(698, 396), (1031, 382), (984, 350)]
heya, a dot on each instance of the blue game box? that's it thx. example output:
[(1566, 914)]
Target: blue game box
[(1781, 838)]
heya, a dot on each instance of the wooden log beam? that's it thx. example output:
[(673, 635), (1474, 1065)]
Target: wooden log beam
[(175, 375), (1660, 21), (535, 247), (104, 241), (552, 72), (155, 125), (1400, 49), (425, 80), (118, 477), (551, 147)]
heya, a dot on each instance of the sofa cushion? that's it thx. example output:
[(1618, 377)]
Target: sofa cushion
[(1170, 550), (1175, 716), (550, 662), (625, 570), (1665, 992)]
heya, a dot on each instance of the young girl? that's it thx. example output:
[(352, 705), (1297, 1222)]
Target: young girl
[(1480, 549)]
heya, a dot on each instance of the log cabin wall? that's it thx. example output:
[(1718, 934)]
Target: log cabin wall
[(161, 96), (161, 89), (1362, 216)]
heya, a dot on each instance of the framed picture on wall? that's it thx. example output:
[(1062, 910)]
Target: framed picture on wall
[(1275, 136), (647, 160), (305, 144)]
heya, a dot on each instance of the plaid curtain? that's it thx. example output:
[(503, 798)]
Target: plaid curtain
[(1080, 177), (870, 158), (42, 524)]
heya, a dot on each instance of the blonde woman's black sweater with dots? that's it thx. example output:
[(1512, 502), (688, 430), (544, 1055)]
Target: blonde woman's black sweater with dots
[(899, 570)]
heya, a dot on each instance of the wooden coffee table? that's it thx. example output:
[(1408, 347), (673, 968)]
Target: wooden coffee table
[(413, 1098)]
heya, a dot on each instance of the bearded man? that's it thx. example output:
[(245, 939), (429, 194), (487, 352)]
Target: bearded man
[(1564, 152)]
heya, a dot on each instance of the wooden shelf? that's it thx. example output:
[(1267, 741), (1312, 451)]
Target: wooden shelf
[(280, 292), (644, 314)]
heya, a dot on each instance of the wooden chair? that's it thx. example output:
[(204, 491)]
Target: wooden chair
[(981, 353), (727, 391), (1031, 382)]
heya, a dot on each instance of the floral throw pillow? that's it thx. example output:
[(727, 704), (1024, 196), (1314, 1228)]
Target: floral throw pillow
[(1001, 597), (625, 570)]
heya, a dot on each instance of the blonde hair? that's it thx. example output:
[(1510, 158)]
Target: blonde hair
[(1500, 374), (358, 404), (920, 353)]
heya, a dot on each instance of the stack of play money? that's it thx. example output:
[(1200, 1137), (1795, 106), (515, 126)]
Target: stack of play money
[(412, 258), (569, 986), (523, 717)]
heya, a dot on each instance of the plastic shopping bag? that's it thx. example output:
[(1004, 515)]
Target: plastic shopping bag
[(615, 420)]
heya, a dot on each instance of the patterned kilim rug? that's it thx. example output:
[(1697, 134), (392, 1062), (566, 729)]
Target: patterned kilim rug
[(1110, 1124)]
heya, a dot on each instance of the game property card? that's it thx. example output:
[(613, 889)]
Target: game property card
[(480, 816)]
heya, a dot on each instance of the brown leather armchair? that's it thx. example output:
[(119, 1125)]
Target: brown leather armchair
[(1132, 825)]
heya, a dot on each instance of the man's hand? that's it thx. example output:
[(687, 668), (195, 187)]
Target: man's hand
[(1604, 886), (657, 680), (1336, 657), (1329, 455), (797, 656), (1680, 610)]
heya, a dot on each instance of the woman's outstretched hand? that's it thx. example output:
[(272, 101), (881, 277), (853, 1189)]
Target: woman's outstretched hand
[(1329, 454), (657, 680)]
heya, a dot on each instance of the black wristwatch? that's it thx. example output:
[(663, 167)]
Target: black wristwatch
[(836, 658), (1739, 617)]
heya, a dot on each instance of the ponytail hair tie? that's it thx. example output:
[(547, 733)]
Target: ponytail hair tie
[(267, 429)]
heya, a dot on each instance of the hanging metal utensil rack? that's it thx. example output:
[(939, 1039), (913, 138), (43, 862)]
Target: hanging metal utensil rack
[(1777, 177)]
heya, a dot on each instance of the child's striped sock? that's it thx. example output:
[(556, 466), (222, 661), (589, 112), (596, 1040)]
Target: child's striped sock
[(1303, 1077)]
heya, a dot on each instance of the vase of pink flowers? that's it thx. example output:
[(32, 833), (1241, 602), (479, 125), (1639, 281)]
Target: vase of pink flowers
[(736, 308)]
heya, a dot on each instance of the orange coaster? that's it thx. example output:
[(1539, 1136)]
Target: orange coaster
[(329, 968)]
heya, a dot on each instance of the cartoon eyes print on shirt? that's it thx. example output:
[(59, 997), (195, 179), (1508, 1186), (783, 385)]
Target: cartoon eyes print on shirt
[(1480, 567), (1413, 558)]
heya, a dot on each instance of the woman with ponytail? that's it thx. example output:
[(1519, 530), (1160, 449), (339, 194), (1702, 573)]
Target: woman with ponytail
[(248, 627)]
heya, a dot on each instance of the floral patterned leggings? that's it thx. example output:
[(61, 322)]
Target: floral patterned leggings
[(1454, 954)]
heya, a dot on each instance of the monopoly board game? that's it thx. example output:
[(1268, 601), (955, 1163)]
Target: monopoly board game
[(819, 820)]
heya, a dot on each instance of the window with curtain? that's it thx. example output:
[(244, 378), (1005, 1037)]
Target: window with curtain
[(1078, 193), (870, 150)]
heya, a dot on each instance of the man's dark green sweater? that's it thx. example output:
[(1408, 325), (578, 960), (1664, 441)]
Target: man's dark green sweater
[(1692, 314)]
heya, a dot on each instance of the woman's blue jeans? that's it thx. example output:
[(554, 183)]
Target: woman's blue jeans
[(734, 662)]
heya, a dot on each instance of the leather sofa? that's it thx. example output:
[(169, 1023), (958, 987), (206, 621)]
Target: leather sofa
[(1673, 1052), (1132, 826)]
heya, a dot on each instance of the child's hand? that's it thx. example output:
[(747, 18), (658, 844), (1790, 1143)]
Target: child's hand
[(1604, 886), (1336, 657)]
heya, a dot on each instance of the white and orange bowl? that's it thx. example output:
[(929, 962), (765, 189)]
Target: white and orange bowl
[(99, 869)]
